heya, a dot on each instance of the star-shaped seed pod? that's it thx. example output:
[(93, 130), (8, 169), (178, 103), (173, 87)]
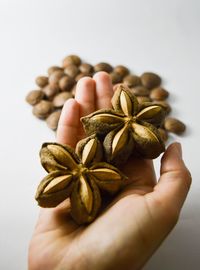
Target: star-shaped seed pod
[(127, 128), (78, 174)]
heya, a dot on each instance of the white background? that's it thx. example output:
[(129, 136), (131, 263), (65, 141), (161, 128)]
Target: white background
[(155, 35)]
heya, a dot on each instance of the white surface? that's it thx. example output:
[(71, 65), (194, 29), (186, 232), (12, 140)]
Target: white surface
[(161, 36)]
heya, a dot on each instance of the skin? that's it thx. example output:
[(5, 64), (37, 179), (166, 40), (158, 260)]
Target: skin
[(133, 226)]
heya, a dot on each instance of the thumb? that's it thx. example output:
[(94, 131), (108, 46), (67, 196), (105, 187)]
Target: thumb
[(175, 180)]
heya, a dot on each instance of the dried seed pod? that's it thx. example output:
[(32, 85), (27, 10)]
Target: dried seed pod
[(103, 67), (55, 77), (43, 109), (163, 134), (66, 83), (115, 77), (86, 69), (52, 120), (41, 81), (150, 80), (34, 97), (142, 99), (52, 69), (50, 91), (59, 99), (164, 105), (159, 93), (71, 60), (132, 80), (174, 125), (140, 91), (72, 71), (122, 70)]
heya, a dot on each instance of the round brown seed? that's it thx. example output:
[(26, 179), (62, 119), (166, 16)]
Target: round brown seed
[(164, 105), (132, 80), (60, 99), (163, 134), (72, 70), (71, 60), (42, 109), (174, 125), (34, 97), (159, 93), (50, 91), (122, 70), (86, 69), (142, 99), (52, 69), (52, 120), (150, 80), (103, 67), (115, 77), (41, 81), (55, 77), (79, 76), (140, 91), (66, 83)]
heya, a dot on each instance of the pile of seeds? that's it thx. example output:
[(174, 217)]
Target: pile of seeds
[(60, 85)]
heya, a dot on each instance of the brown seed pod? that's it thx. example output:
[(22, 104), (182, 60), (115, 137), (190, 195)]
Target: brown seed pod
[(41, 81), (103, 67), (72, 71), (66, 83), (115, 77), (42, 109), (140, 91), (150, 80), (86, 69), (52, 120), (50, 91), (34, 97), (159, 93), (174, 125), (60, 99), (132, 80), (122, 70), (71, 60), (52, 69)]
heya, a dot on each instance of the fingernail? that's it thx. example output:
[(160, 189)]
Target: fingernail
[(178, 149)]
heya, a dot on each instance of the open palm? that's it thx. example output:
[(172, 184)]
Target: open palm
[(133, 226)]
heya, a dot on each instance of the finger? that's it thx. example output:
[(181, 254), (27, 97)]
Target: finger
[(85, 95), (104, 90), (68, 123), (175, 180)]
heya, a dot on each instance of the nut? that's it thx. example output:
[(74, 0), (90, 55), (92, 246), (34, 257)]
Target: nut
[(115, 77), (52, 120), (60, 99), (52, 69), (140, 91), (50, 91), (159, 93), (41, 81), (43, 109), (55, 77), (122, 70), (103, 67), (79, 76), (163, 134), (66, 83), (150, 80), (34, 97), (71, 60), (142, 99), (174, 125), (71, 70), (164, 104), (86, 69), (132, 80)]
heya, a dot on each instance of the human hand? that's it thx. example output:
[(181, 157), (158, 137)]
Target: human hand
[(132, 227)]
